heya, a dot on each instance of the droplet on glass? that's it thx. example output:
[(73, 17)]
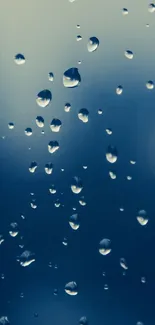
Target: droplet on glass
[(55, 125), (33, 167), (40, 121), (74, 221), (44, 97), (1, 239), (140, 323), (52, 189), (22, 295), (78, 37), (82, 201), (71, 288), (108, 131), (106, 287), (65, 242), (100, 112), (71, 78), (83, 115), (111, 154), (132, 162), (83, 320), (142, 217), (77, 26), (19, 59), (50, 76), (11, 126), (150, 85), (67, 107), (129, 178), (151, 7), (57, 203), (53, 146), (14, 229), (28, 132), (48, 168), (26, 258), (119, 90), (143, 279), (112, 175), (4, 320), (105, 246), (125, 11), (93, 44), (76, 185), (128, 54), (123, 263), (2, 276), (121, 209), (55, 292)]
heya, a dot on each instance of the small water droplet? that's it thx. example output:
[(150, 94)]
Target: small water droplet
[(142, 217), (26, 258), (143, 279), (78, 37), (128, 54), (112, 175), (2, 276), (151, 7), (119, 90), (28, 132), (125, 11), (108, 131), (74, 221), (93, 44), (67, 107), (105, 246), (106, 287), (11, 126), (65, 242), (83, 115), (150, 85), (52, 189), (19, 59), (14, 229), (83, 320), (48, 168), (40, 121), (100, 112), (50, 76), (76, 185), (33, 167), (53, 146), (55, 292), (71, 288), (123, 263)]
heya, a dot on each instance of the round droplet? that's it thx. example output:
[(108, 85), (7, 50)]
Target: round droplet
[(48, 168), (119, 90), (50, 76), (55, 125), (143, 279), (121, 209), (28, 132), (83, 115), (33, 204), (111, 154), (71, 288), (26, 258), (22, 295), (13, 229), (128, 54), (150, 85), (123, 263), (76, 185), (67, 107), (100, 112), (71, 78), (53, 146), (147, 25), (33, 167), (19, 59), (40, 121), (93, 44), (2, 276), (85, 167), (78, 37), (109, 131), (151, 7), (105, 246), (142, 217), (11, 126), (52, 189), (44, 97), (125, 11), (112, 175), (55, 292), (83, 320), (74, 221), (129, 178), (106, 287), (77, 26)]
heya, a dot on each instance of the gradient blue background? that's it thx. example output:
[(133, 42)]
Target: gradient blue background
[(45, 32)]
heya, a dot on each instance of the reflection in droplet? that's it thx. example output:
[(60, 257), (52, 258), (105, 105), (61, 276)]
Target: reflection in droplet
[(142, 217), (150, 85), (71, 78), (151, 7), (26, 258), (11, 126), (111, 154), (55, 125), (76, 185), (119, 90), (2, 276), (19, 59), (67, 107), (22, 295), (128, 54), (44, 97), (123, 263), (105, 246), (93, 44), (71, 288), (74, 221), (28, 132), (50, 76), (40, 121), (53, 146), (14, 229), (48, 168), (83, 115), (33, 167)]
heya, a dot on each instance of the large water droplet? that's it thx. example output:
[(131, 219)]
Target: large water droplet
[(111, 154), (76, 185), (71, 78), (19, 59), (71, 288), (93, 44), (74, 221), (44, 97), (83, 115), (53, 146), (142, 217), (55, 125), (105, 246)]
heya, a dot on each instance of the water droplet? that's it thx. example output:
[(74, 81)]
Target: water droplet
[(33, 205), (1, 239), (77, 26), (28, 132), (65, 242), (4, 320), (11, 126), (119, 90), (143, 279), (82, 201), (121, 209), (50, 264), (123, 263), (44, 97), (14, 229), (106, 287), (55, 292), (50, 76), (128, 54), (93, 44), (109, 131), (22, 295), (40, 121), (71, 288), (74, 221), (100, 112), (83, 320), (36, 315), (147, 25), (78, 37), (52, 189), (129, 178), (2, 276), (67, 107), (42, 132), (151, 7), (111, 154), (85, 167), (26, 258), (112, 175), (57, 203), (19, 59), (55, 125), (150, 85), (48, 168), (33, 167), (76, 185), (53, 146), (83, 115), (140, 323), (71, 78), (132, 162), (125, 11), (105, 246), (142, 217)]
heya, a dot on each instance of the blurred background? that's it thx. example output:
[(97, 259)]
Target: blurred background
[(54, 36)]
